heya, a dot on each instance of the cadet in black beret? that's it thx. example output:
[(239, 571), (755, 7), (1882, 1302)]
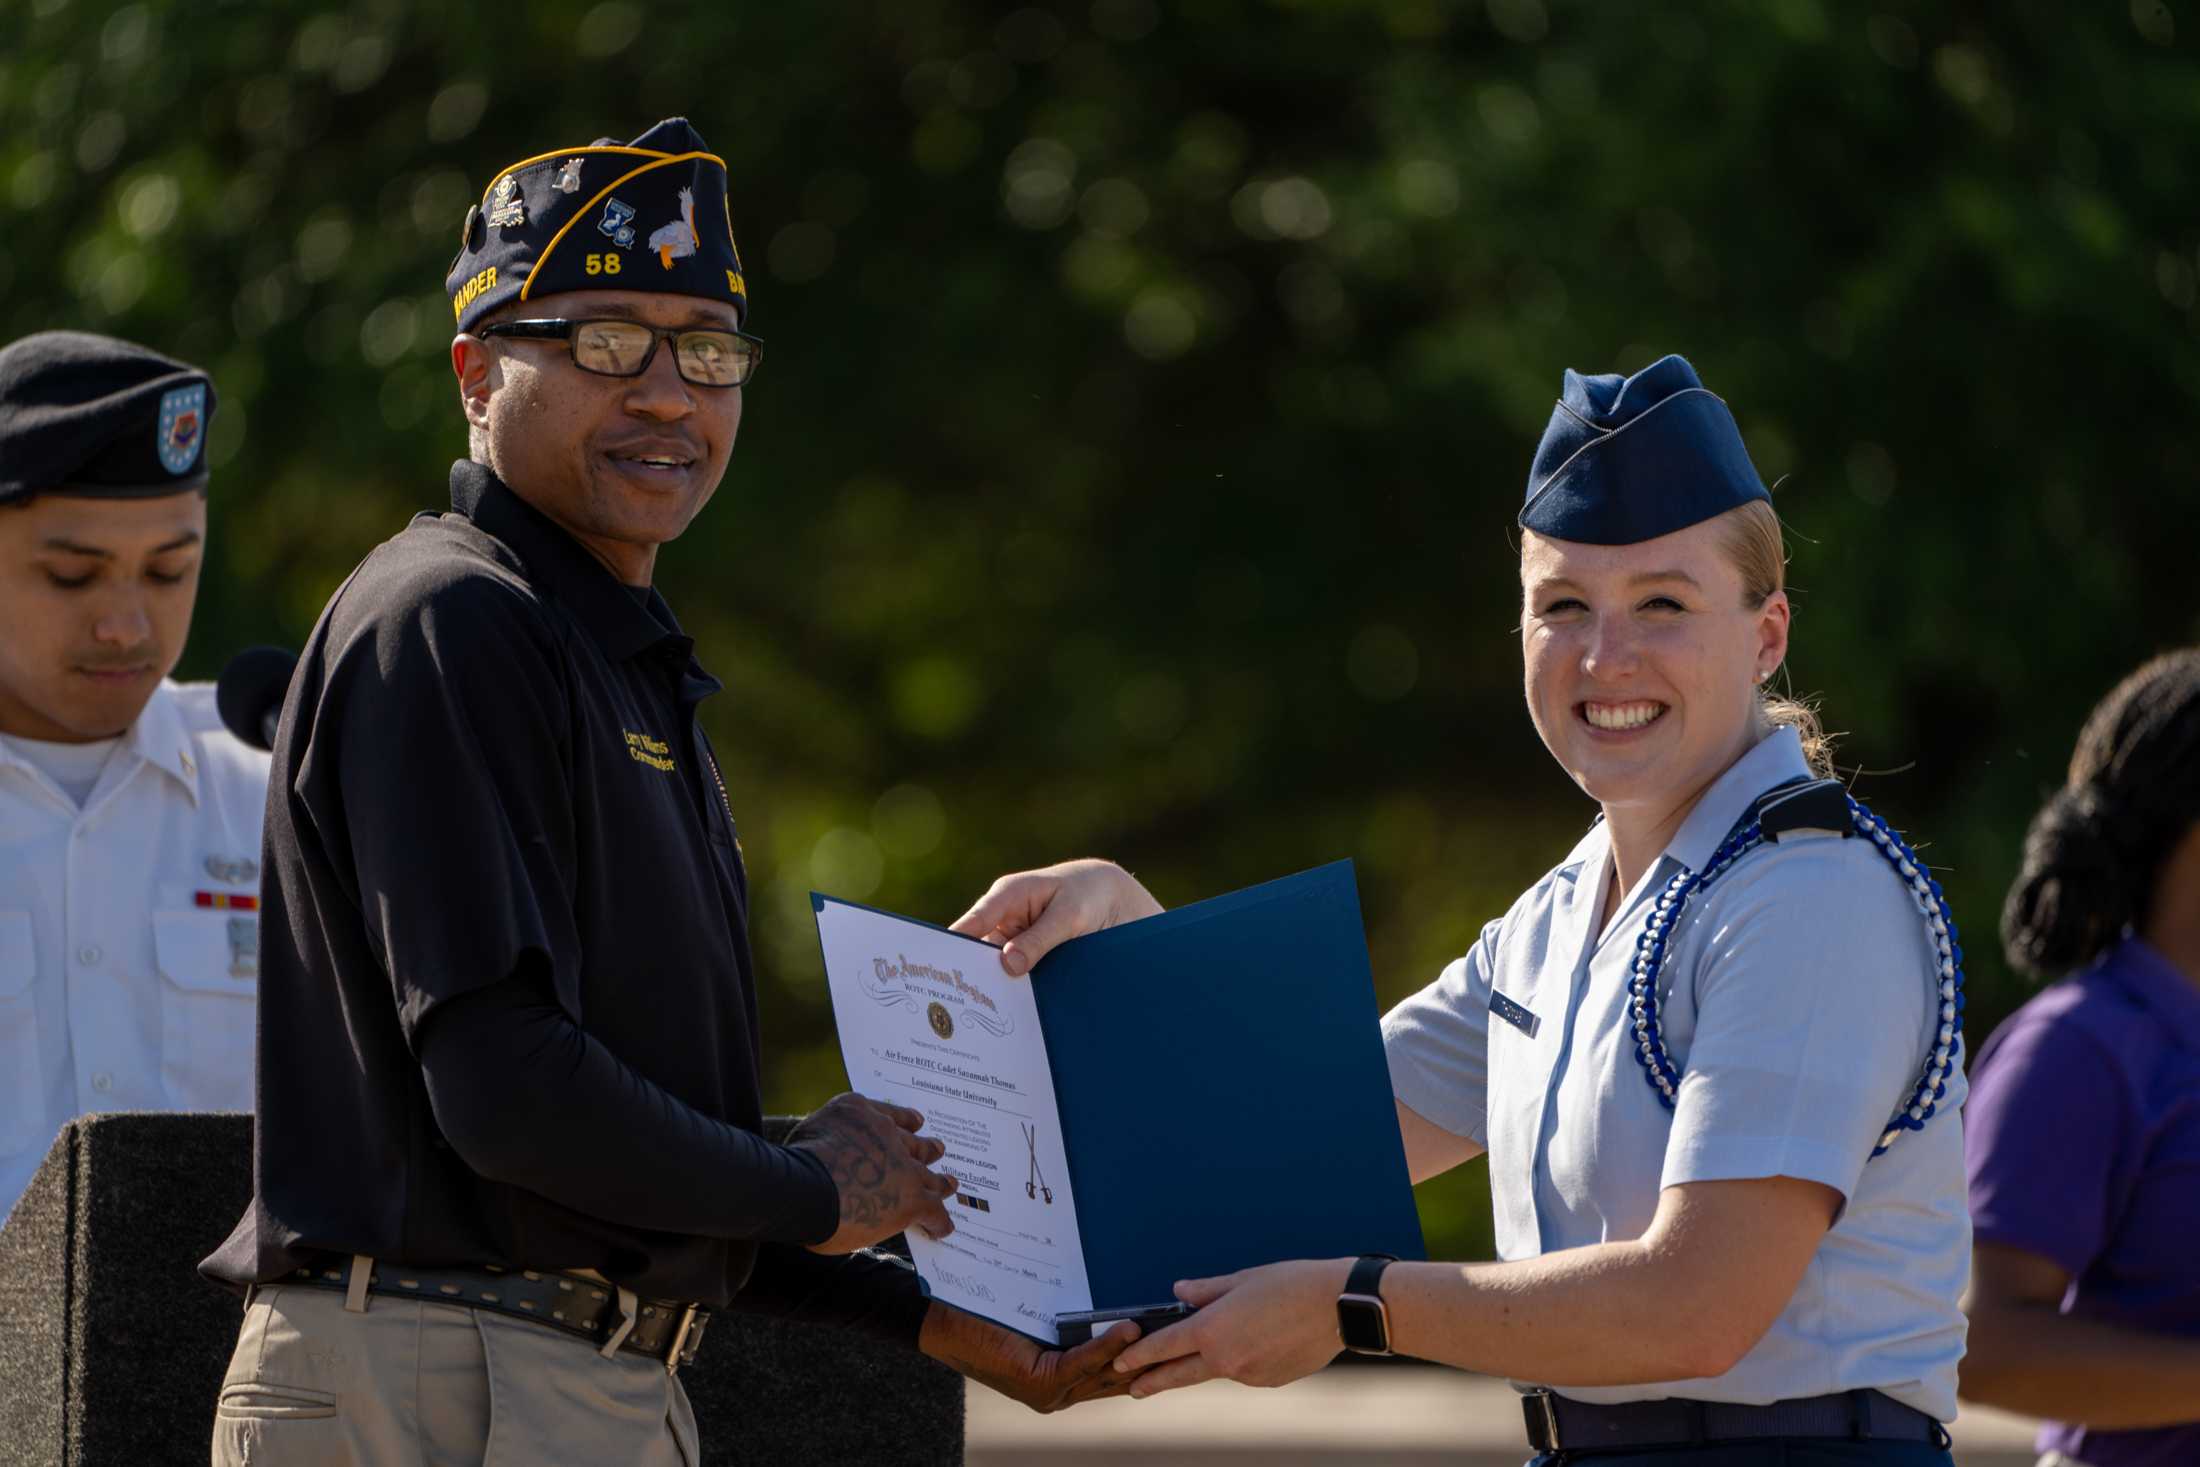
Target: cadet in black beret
[(123, 800), (508, 1052)]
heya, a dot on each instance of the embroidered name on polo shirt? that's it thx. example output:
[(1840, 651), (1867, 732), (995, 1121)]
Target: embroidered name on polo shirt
[(643, 749)]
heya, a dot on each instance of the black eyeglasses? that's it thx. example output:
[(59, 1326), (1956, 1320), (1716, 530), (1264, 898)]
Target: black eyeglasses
[(707, 358)]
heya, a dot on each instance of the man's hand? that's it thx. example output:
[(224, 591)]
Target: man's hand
[(1031, 912), (878, 1161), (1021, 1369)]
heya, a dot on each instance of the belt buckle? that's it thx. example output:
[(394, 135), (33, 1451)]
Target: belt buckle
[(679, 1340), (1542, 1416)]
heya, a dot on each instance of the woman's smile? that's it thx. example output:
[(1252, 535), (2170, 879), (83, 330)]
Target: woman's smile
[(1620, 718)]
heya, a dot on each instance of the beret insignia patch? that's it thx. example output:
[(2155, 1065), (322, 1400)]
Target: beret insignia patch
[(182, 412)]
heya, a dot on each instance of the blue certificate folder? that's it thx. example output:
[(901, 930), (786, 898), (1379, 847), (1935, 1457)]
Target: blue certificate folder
[(1224, 1098)]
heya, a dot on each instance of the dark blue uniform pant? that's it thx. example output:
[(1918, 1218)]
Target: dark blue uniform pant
[(1785, 1451)]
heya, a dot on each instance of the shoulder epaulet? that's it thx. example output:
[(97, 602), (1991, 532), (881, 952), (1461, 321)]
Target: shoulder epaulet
[(1822, 804)]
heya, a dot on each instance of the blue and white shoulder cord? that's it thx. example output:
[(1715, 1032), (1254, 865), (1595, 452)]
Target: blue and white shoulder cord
[(1932, 1083)]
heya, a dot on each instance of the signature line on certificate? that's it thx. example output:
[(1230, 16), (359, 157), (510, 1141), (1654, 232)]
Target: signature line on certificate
[(963, 1226)]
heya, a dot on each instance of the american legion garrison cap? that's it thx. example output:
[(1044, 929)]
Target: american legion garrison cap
[(646, 215), (1627, 459), (85, 414)]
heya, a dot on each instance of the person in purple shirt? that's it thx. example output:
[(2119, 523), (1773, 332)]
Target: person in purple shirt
[(2083, 1130)]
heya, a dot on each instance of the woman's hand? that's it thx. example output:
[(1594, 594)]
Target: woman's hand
[(1031, 912), (1264, 1326)]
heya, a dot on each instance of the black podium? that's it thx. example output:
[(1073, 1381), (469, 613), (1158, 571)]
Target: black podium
[(112, 1348)]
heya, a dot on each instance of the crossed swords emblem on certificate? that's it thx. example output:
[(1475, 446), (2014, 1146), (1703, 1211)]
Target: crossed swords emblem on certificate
[(1036, 1186)]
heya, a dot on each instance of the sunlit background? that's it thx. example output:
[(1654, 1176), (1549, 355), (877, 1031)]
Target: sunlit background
[(1150, 389)]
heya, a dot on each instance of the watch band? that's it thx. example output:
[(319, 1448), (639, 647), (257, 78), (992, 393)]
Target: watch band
[(1367, 1274), (1363, 1322)]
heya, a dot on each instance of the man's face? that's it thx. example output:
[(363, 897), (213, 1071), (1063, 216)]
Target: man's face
[(95, 606), (622, 463)]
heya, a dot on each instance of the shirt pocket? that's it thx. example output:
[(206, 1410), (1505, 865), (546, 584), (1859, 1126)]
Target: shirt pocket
[(209, 966), (22, 1076)]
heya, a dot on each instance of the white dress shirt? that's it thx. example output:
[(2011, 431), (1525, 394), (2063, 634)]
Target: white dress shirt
[(129, 929)]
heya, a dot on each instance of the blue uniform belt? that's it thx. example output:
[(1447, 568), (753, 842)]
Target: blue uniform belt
[(1558, 1424)]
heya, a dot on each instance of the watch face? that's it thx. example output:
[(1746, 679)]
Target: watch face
[(1363, 1324)]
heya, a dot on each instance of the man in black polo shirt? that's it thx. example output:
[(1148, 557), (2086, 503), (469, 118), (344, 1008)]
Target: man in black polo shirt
[(508, 1054)]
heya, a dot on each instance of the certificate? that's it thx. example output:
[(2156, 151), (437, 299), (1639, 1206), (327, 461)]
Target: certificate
[(928, 1020), (1186, 1095)]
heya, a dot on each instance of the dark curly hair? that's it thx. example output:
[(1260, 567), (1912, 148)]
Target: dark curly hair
[(2096, 847)]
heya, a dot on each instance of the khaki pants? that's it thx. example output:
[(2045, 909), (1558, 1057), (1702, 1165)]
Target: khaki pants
[(413, 1384)]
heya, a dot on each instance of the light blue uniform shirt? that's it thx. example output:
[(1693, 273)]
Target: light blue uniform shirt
[(1798, 999)]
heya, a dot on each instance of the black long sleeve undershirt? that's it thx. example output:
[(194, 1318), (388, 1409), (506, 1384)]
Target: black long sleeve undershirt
[(528, 1098)]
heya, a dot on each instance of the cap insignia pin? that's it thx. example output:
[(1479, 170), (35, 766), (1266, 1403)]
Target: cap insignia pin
[(569, 177), (506, 209), (678, 239), (617, 222), (181, 413)]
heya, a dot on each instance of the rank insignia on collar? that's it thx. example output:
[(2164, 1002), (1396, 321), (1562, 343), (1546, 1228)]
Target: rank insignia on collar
[(182, 412), (569, 177), (617, 222), (506, 209), (678, 239), (244, 947), (241, 869)]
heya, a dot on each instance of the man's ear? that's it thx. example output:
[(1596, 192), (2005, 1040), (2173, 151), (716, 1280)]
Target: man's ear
[(475, 366)]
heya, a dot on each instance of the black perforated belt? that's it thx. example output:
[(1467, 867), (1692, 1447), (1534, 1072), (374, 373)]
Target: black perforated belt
[(1558, 1424), (610, 1318)]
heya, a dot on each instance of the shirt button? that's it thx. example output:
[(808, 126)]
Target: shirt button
[(103, 1082), (87, 954)]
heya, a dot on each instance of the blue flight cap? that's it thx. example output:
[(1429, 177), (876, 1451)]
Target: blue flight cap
[(1627, 459)]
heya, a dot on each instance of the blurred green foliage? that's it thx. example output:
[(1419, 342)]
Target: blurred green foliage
[(1151, 388)]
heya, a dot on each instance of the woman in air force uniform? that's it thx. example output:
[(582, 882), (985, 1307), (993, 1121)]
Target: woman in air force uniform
[(1713, 1055)]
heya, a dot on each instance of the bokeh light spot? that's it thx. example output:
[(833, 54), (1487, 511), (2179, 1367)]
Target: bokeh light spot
[(608, 29), (456, 110), (935, 696), (149, 204), (1159, 326), (846, 863), (909, 822), (1035, 183)]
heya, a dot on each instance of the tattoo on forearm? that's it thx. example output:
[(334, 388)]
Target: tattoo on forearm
[(861, 1169)]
